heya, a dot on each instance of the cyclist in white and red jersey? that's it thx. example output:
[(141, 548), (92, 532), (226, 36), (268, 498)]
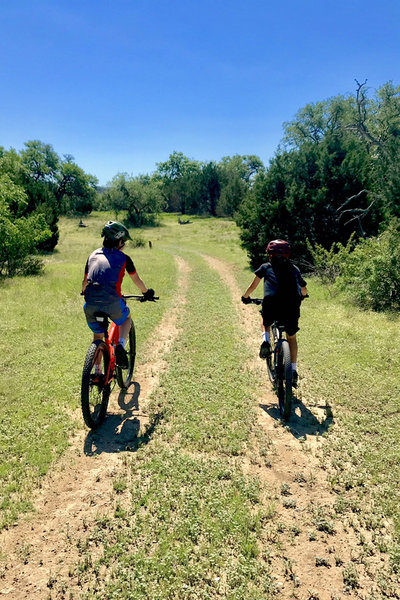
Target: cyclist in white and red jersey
[(104, 271)]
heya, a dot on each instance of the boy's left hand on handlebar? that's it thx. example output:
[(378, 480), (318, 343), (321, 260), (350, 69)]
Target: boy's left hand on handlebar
[(246, 300), (148, 294)]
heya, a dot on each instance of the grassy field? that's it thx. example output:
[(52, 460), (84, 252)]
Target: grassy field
[(352, 361), (192, 527)]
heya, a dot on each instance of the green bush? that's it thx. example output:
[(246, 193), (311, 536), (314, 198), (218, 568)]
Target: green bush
[(370, 275), (328, 264), (137, 241), (19, 239)]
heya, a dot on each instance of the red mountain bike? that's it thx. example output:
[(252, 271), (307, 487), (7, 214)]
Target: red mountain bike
[(100, 370)]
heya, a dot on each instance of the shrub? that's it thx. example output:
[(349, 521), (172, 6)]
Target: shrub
[(19, 239), (328, 264), (370, 275), (137, 241)]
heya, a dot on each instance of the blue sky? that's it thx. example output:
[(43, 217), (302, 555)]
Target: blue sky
[(120, 84)]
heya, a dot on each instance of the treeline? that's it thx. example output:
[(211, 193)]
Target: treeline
[(335, 177), (36, 187), (183, 185)]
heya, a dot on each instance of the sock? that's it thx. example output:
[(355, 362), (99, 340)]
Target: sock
[(122, 342), (265, 336), (294, 366), (97, 369)]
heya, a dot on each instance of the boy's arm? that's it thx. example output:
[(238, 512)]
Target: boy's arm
[(84, 282), (138, 282), (85, 277), (252, 287)]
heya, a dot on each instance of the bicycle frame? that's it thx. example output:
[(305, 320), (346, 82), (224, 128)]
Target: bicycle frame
[(111, 337), (100, 368)]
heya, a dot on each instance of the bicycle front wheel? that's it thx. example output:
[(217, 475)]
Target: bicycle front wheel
[(271, 366), (284, 380), (94, 390), (124, 376)]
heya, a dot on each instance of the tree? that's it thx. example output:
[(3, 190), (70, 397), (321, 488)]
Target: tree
[(36, 187), (76, 190), (140, 196), (20, 235), (41, 161), (237, 175), (181, 183), (211, 187)]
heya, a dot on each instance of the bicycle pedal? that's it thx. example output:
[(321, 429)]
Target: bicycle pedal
[(97, 379)]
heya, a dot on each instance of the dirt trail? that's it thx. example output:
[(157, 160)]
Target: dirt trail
[(310, 548), (43, 548)]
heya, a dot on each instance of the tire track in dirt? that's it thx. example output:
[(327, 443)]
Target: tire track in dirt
[(308, 548), (41, 551)]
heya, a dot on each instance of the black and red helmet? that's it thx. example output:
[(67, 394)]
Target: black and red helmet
[(279, 248)]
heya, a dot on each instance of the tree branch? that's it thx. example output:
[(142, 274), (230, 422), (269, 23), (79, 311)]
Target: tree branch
[(350, 199)]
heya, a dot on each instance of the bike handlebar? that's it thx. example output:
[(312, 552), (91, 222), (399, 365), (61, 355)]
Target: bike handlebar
[(141, 298), (260, 300)]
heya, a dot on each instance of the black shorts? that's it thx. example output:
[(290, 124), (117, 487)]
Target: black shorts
[(287, 314)]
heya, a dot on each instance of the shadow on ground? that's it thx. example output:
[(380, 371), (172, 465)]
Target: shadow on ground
[(120, 432), (302, 421)]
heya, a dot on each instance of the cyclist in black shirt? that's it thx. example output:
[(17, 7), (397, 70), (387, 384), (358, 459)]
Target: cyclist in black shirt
[(284, 289)]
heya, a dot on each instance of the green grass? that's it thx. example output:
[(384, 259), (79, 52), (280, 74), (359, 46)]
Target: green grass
[(207, 391), (189, 533), (351, 360)]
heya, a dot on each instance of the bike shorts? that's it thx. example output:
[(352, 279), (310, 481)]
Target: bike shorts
[(273, 309), (117, 311)]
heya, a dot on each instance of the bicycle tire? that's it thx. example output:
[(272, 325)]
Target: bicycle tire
[(271, 367), (270, 360), (284, 380), (124, 376), (94, 394)]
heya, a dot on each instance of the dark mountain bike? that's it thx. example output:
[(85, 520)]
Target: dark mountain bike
[(100, 371), (279, 366)]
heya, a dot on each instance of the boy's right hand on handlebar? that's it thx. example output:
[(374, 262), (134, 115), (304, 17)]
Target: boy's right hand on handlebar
[(246, 300)]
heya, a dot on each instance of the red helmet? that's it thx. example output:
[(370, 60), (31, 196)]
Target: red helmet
[(279, 248)]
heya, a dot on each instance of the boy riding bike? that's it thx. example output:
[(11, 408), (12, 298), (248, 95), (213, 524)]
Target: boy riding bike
[(284, 289), (101, 286)]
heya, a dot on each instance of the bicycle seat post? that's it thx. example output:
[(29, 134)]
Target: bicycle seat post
[(102, 318)]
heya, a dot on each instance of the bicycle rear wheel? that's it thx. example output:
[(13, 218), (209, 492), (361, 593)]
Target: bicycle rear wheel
[(284, 380), (124, 376), (94, 392)]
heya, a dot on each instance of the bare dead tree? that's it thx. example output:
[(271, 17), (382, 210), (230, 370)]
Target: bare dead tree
[(360, 125), (356, 214)]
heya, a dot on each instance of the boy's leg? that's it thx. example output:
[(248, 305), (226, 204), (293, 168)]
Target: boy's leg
[(125, 328), (119, 313), (265, 348), (292, 339), (266, 330), (120, 352)]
